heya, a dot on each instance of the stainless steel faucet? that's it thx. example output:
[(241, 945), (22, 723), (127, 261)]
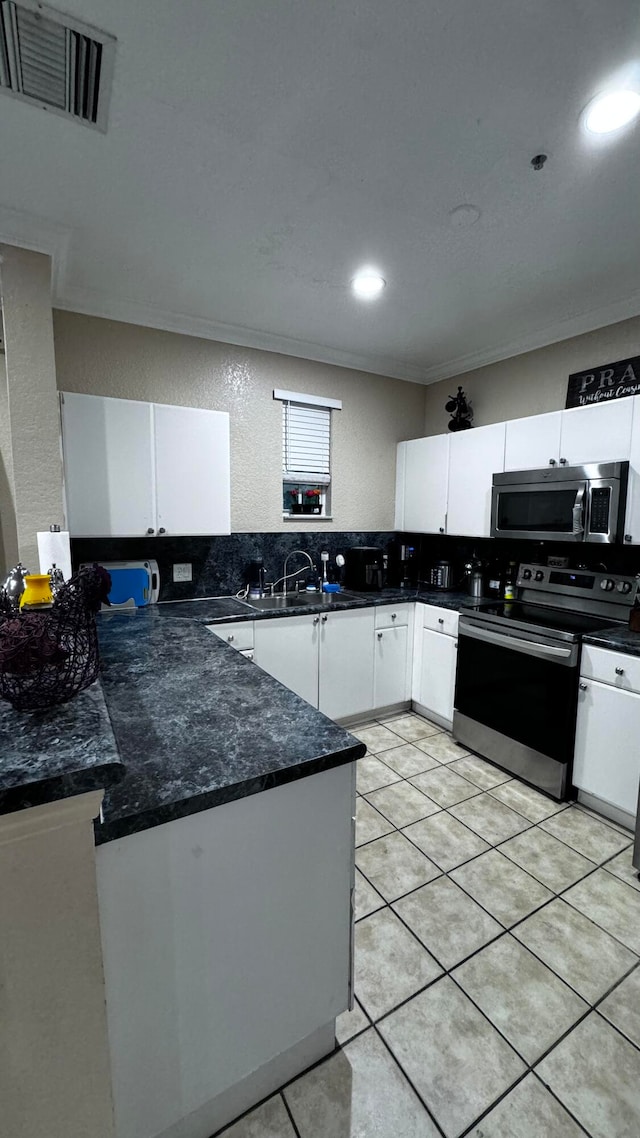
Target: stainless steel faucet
[(297, 572)]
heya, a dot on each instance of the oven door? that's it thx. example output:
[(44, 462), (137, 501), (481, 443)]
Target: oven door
[(545, 511), (515, 702)]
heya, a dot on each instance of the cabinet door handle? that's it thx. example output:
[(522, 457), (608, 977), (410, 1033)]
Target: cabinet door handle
[(563, 462), (316, 620), (324, 619), (162, 530), (394, 615), (249, 655), (151, 530), (619, 671), (583, 687), (230, 638), (552, 462), (379, 636), (628, 537), (441, 529), (440, 620)]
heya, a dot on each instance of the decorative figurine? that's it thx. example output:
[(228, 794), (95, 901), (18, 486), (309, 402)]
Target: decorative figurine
[(460, 411)]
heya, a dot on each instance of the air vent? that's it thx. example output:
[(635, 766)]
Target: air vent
[(55, 62)]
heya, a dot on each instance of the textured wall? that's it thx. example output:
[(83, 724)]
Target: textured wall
[(33, 403), (8, 531), (102, 357), (534, 382)]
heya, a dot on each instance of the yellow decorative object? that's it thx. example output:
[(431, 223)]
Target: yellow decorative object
[(37, 591)]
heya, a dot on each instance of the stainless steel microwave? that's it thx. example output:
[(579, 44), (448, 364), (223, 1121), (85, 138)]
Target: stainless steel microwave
[(567, 503)]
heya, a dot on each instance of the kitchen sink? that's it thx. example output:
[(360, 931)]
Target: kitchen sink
[(299, 600)]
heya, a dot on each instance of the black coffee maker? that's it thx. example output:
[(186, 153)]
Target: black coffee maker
[(364, 568)]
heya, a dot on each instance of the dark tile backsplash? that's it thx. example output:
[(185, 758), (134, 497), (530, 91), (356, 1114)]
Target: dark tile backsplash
[(220, 563)]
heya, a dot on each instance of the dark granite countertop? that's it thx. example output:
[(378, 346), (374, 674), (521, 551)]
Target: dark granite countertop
[(169, 689), (618, 639), (221, 610), (53, 754)]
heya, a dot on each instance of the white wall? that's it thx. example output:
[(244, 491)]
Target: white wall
[(531, 383), (34, 478), (103, 357)]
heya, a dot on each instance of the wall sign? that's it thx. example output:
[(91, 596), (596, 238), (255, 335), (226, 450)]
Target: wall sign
[(599, 384)]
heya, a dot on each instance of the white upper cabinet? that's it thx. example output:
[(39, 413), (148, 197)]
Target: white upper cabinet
[(140, 468), (601, 433), (474, 457), (192, 470), (108, 466), (426, 476), (533, 442), (632, 520)]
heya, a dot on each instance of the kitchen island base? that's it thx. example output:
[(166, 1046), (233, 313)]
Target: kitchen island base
[(227, 946)]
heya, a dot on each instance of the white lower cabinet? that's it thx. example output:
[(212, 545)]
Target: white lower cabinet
[(288, 650), (327, 659), (438, 673), (606, 761), (390, 666)]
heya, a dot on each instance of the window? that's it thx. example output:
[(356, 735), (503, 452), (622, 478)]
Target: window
[(306, 453)]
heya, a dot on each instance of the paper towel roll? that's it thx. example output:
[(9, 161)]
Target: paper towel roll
[(55, 548)]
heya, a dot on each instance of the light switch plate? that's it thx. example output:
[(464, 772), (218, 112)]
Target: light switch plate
[(183, 572)]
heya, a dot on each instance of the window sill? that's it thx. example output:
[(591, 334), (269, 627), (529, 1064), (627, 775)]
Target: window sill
[(307, 518)]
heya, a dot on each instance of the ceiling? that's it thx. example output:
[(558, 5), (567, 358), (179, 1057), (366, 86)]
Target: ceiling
[(258, 153)]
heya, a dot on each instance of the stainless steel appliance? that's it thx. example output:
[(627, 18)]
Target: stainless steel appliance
[(364, 568), (564, 503), (518, 665), (441, 575)]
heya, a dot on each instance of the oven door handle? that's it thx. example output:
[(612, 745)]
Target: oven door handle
[(528, 647), (578, 512)]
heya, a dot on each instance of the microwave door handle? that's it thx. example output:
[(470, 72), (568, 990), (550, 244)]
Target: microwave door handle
[(578, 512)]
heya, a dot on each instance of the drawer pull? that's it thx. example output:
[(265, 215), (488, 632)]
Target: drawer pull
[(379, 636), (583, 687), (552, 462), (441, 529), (230, 638), (394, 615), (619, 671), (324, 619), (440, 620), (316, 620)]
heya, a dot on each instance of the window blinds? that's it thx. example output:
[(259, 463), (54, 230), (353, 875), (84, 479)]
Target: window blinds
[(306, 446)]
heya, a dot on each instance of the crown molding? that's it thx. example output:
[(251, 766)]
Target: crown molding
[(577, 325), (28, 231), (93, 303)]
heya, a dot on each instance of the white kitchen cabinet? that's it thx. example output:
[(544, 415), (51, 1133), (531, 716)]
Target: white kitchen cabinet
[(426, 475), (108, 466), (391, 675), (632, 519), (239, 634), (607, 758), (401, 462), (474, 457), (533, 442), (192, 471), (287, 648), (135, 468), (600, 433), (346, 663), (437, 674)]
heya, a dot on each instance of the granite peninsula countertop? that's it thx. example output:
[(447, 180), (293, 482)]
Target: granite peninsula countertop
[(168, 688), (54, 754)]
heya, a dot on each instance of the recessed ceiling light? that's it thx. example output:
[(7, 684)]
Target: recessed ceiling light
[(611, 111), (367, 284)]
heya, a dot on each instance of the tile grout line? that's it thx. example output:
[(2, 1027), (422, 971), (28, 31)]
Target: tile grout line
[(288, 1110)]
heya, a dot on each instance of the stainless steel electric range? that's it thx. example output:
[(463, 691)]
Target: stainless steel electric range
[(518, 665)]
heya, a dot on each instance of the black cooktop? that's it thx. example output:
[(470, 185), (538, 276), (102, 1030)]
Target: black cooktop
[(541, 617)]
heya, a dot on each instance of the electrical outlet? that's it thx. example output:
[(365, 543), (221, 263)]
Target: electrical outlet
[(183, 572)]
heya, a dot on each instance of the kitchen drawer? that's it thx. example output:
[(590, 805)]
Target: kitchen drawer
[(601, 664), (440, 620), (393, 616), (239, 635)]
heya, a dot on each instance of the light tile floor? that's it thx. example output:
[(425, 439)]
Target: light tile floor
[(497, 962)]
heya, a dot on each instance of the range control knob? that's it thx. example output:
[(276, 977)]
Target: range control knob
[(607, 584), (526, 574), (624, 586), (539, 575)]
